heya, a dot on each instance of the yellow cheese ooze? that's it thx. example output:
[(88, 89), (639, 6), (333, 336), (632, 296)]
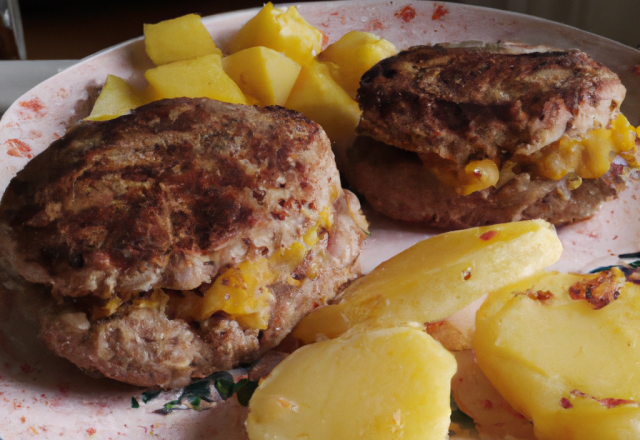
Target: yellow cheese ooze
[(589, 157), (242, 292)]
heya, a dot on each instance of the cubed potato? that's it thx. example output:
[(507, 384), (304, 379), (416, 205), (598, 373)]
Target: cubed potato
[(354, 54), (201, 77), (265, 76), (285, 32), (321, 99), (116, 98), (562, 350), (384, 384), (178, 39), (438, 277)]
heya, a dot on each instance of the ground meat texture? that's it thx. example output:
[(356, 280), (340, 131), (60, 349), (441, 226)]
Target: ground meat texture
[(168, 197), (165, 196), (396, 183), (470, 103)]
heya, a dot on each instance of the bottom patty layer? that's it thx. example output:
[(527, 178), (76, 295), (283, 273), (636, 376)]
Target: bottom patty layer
[(396, 183), (141, 345)]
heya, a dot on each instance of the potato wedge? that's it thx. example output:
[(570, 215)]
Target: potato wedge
[(437, 277), (201, 77), (264, 75), (285, 32), (116, 98), (562, 350), (321, 99), (354, 54), (178, 39), (378, 385)]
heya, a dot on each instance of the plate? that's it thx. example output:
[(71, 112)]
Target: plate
[(42, 396)]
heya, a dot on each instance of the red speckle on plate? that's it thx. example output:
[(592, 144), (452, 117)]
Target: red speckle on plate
[(407, 13), (439, 11), (488, 235), (23, 419), (91, 431), (325, 40), (334, 13), (376, 25), (17, 148), (615, 237), (35, 105), (35, 134)]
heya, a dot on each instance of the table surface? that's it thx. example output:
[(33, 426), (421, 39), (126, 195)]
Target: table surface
[(71, 29)]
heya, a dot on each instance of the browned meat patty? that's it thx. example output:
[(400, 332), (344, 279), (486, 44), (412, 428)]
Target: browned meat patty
[(396, 183), (131, 222), (450, 106), (469, 103)]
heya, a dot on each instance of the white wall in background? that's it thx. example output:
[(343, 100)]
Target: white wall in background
[(615, 19)]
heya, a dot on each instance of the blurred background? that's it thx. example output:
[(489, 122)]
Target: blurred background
[(73, 29)]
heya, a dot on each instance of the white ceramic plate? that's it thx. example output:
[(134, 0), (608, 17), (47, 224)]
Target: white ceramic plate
[(42, 396)]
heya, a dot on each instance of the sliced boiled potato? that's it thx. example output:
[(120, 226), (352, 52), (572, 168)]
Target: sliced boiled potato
[(438, 277), (354, 54), (285, 32), (264, 75), (384, 384), (562, 349), (178, 39), (116, 98), (321, 99), (201, 77), (494, 418)]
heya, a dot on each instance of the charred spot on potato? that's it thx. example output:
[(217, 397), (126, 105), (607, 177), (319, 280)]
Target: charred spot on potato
[(599, 291)]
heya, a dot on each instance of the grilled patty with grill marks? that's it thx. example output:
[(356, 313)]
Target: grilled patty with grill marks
[(169, 197), (447, 106)]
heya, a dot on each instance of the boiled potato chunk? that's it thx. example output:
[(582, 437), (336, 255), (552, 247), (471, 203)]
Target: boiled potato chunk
[(116, 98), (285, 32), (437, 277), (384, 384), (563, 351), (201, 77), (178, 39), (321, 99), (354, 54), (264, 75)]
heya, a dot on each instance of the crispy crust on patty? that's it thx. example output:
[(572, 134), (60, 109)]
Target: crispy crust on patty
[(493, 101), (396, 183), (165, 197)]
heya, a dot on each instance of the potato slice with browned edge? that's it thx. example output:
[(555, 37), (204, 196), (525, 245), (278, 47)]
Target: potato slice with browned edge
[(437, 277), (354, 54), (264, 75), (116, 98), (377, 385), (317, 96), (201, 77), (562, 349), (178, 39), (285, 32)]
